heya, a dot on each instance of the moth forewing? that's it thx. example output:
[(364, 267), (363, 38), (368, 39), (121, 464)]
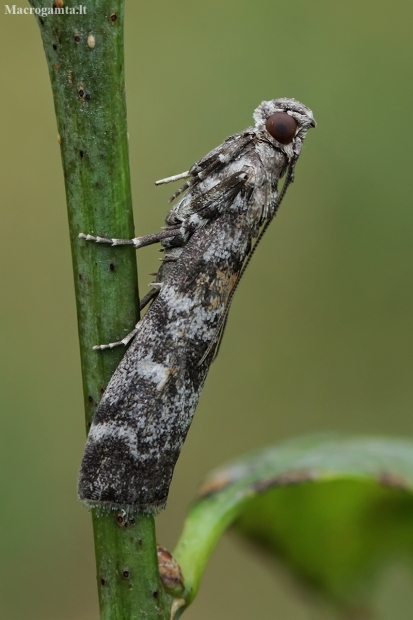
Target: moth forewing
[(210, 235)]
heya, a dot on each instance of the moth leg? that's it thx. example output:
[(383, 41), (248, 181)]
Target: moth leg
[(124, 341), (175, 177), (137, 242), (182, 189), (148, 298), (194, 179), (143, 303)]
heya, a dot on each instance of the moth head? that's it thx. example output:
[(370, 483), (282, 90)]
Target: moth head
[(285, 122)]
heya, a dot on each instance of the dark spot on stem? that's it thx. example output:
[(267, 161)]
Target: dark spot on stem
[(90, 399), (81, 92), (112, 267), (140, 542), (102, 390), (80, 276), (126, 574), (41, 21), (54, 46), (103, 581), (77, 38), (87, 96), (113, 17), (155, 594), (132, 521), (81, 153)]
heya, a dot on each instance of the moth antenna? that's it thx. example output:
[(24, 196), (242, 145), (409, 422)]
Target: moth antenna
[(223, 321), (289, 179)]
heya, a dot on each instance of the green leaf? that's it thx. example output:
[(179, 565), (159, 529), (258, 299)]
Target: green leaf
[(333, 510)]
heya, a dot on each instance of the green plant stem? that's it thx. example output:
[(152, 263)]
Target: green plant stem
[(85, 59), (128, 575)]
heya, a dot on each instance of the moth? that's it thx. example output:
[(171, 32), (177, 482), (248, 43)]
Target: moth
[(210, 235)]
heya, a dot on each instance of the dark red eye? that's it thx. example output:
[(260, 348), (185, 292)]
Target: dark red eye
[(282, 127)]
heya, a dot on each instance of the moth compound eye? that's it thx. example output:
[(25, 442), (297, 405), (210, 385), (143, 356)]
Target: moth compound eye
[(282, 127)]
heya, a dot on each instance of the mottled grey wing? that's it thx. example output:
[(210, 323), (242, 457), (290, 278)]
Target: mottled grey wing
[(147, 408)]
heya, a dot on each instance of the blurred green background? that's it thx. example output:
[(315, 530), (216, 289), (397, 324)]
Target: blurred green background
[(319, 336)]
